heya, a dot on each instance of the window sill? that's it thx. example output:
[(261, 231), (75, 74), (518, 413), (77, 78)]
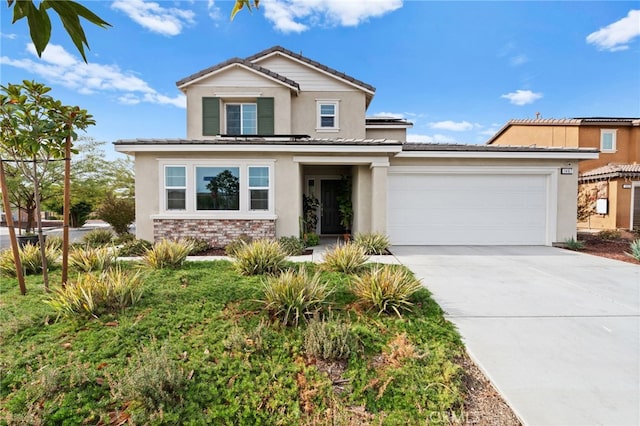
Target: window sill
[(327, 130)]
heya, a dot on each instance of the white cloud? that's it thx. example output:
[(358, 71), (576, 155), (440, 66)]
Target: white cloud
[(287, 14), (452, 126), (152, 16), (10, 36), (59, 66), (522, 97), (616, 36), (388, 115), (437, 138), (214, 11), (518, 60)]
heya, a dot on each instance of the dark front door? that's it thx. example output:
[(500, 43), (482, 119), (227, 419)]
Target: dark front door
[(330, 217)]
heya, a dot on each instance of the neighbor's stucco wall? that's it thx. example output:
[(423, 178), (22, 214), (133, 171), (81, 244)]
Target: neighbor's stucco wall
[(539, 135), (619, 207), (392, 134), (627, 146), (567, 185)]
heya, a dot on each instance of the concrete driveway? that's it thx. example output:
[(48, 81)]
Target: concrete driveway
[(557, 332)]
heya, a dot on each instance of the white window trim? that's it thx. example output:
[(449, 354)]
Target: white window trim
[(613, 133), (191, 213), (336, 122), (225, 104), (165, 187)]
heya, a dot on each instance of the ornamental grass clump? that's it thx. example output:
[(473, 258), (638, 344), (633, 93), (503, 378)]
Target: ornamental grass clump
[(30, 258), (386, 289), (92, 294), (98, 237), (635, 249), (373, 243), (134, 247), (573, 244), (260, 257), (87, 259), (347, 258), (166, 254), (295, 295), (328, 340)]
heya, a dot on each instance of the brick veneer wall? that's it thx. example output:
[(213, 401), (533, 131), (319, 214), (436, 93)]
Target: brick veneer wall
[(218, 232)]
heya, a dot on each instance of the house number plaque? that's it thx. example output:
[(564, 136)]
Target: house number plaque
[(566, 171)]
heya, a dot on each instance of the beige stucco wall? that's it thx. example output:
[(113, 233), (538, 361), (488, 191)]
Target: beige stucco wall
[(361, 199), (627, 146), (539, 135), (351, 112), (281, 104), (567, 189), (393, 134)]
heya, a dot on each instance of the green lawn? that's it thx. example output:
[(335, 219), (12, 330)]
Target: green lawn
[(199, 349)]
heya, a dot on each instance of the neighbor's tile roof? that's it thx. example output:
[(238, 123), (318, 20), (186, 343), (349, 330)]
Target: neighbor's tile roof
[(239, 61), (611, 171), (487, 148), (313, 63)]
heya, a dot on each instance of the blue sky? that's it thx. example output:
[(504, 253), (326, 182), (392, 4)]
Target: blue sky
[(457, 70)]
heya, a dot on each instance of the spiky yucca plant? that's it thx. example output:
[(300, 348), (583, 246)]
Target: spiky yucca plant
[(347, 258), (98, 237), (260, 257), (294, 295), (634, 246), (373, 242), (166, 254), (31, 260), (386, 288)]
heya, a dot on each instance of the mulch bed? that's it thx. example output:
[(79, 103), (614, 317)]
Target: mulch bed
[(613, 249)]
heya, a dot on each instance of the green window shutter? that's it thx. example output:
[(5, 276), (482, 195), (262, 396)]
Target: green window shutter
[(210, 116), (265, 116)]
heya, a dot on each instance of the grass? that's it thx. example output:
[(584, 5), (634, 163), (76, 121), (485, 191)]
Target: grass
[(199, 348)]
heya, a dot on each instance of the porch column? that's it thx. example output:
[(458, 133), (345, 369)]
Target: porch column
[(379, 196)]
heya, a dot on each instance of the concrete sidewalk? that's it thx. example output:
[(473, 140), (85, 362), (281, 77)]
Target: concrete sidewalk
[(556, 332)]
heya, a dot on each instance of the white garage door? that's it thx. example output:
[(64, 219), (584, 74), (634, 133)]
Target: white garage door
[(467, 209)]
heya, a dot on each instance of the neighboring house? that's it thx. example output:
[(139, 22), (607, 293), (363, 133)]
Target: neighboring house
[(266, 130), (612, 182)]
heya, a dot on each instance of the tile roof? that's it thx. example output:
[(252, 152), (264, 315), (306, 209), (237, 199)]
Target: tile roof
[(259, 140), (243, 62), (487, 148), (280, 49), (611, 171)]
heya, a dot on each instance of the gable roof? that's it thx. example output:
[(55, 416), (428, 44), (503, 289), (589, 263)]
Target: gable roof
[(580, 121), (242, 63), (327, 70), (611, 171)]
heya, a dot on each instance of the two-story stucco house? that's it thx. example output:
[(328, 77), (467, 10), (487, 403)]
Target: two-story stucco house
[(612, 181), (266, 130)]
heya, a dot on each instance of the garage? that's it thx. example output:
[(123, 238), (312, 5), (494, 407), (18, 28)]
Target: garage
[(470, 206)]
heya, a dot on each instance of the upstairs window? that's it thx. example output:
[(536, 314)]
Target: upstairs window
[(327, 115), (607, 140), (242, 119)]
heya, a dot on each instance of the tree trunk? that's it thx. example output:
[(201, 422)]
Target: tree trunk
[(36, 184), (12, 231)]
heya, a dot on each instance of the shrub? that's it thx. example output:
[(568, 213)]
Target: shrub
[(346, 258), (386, 288), (573, 244), (53, 242), (260, 257), (124, 239), (635, 249), (232, 248), (311, 239), (92, 259), (154, 379), (294, 294), (293, 246), (166, 254), (609, 234), (372, 243), (198, 245), (111, 291), (328, 340), (134, 248), (98, 237), (240, 341), (117, 212), (30, 258)]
